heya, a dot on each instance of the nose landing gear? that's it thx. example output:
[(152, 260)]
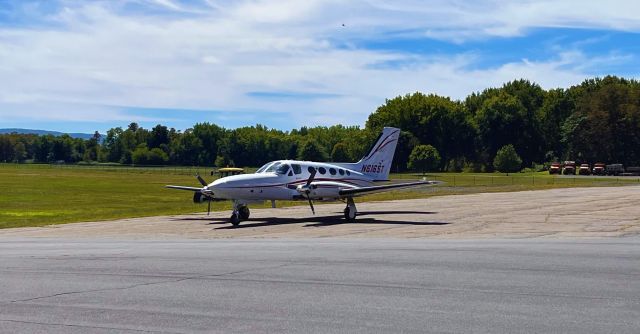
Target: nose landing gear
[(240, 212)]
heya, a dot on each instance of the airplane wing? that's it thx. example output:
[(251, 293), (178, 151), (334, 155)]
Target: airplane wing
[(376, 189), (184, 188)]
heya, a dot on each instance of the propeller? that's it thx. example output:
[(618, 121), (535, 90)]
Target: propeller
[(202, 181), (311, 205), (311, 177), (306, 190), (204, 184)]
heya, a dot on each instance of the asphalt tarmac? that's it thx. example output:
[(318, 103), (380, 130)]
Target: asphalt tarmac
[(319, 285), (557, 213)]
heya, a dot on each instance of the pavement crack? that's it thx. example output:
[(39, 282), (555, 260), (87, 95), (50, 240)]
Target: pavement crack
[(85, 326), (132, 286)]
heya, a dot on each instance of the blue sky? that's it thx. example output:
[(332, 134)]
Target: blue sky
[(81, 66)]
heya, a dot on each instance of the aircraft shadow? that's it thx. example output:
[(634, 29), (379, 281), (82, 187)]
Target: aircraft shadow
[(210, 220), (406, 212), (376, 221), (322, 221), (194, 218), (318, 221)]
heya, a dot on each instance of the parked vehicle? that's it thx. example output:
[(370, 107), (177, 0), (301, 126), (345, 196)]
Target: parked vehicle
[(569, 168), (599, 169), (615, 169), (228, 171), (584, 169), (555, 168), (633, 171)]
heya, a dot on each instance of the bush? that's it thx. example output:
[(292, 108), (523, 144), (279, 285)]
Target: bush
[(424, 158), (143, 156), (507, 160)]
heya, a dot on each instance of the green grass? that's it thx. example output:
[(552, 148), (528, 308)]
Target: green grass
[(36, 195)]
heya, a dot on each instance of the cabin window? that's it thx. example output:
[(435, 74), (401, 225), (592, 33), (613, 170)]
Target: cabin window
[(348, 172), (296, 168), (341, 171), (311, 170), (282, 169), (322, 170), (332, 171)]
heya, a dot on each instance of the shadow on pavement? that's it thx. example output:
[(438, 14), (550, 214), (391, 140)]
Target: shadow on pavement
[(321, 221), (399, 212)]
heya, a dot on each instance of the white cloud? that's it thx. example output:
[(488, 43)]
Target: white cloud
[(95, 55)]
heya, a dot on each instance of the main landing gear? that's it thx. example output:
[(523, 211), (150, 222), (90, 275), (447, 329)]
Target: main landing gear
[(350, 211), (240, 212)]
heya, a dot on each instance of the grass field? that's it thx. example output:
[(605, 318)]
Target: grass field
[(36, 195)]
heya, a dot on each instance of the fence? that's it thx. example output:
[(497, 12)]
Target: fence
[(458, 180), (173, 170), (450, 179)]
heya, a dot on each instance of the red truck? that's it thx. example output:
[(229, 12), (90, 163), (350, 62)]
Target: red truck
[(555, 168), (569, 168), (599, 169), (584, 169)]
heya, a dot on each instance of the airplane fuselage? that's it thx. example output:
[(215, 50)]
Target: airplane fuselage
[(278, 180)]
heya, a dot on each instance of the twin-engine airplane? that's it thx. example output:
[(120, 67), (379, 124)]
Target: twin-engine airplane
[(307, 180)]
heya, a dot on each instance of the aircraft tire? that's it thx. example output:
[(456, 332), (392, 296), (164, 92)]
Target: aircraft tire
[(235, 219), (349, 215), (244, 212)]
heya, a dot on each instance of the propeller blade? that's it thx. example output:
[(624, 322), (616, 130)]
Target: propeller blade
[(202, 181), (311, 205), (209, 207), (311, 177)]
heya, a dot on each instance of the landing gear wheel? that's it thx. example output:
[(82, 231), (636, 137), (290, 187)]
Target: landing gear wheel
[(235, 219), (349, 214), (350, 211), (244, 212)]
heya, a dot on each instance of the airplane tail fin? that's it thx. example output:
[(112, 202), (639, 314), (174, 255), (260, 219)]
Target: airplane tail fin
[(377, 162)]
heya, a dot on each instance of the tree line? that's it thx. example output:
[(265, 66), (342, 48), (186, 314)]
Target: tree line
[(597, 120)]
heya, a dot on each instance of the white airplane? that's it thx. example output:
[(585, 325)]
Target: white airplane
[(307, 180)]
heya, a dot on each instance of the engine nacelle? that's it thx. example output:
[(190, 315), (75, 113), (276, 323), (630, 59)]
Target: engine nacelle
[(324, 193)]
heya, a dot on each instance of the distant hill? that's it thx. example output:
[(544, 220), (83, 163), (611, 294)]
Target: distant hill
[(46, 132)]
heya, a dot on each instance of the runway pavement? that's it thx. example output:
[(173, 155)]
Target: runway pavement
[(556, 213), (333, 285)]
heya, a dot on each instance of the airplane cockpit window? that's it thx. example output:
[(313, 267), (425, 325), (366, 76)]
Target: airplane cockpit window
[(265, 166), (282, 169), (272, 168), (296, 168)]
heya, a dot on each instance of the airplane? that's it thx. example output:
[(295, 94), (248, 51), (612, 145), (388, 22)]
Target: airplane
[(307, 180)]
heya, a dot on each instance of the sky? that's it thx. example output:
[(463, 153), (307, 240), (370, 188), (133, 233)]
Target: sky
[(82, 66)]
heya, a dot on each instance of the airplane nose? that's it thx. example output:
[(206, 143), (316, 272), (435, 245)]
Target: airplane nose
[(216, 187)]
